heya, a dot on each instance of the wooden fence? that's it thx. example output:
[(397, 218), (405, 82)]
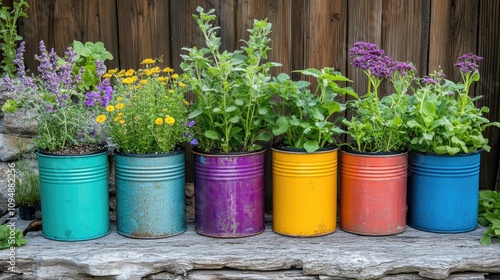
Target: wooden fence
[(305, 33)]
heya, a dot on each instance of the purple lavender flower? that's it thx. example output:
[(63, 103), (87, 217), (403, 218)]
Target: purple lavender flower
[(468, 62), (8, 83), (194, 141), (100, 68), (191, 123)]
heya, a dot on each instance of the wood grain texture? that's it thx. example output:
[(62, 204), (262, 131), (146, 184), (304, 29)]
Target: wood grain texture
[(144, 31), (489, 87), (337, 256)]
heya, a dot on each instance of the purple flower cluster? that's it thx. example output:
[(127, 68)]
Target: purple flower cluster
[(102, 95), (188, 135), (468, 63), (371, 59)]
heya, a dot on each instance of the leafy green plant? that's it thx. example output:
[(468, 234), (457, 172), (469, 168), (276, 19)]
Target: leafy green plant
[(304, 118), (148, 112), (8, 34), (6, 241), (27, 185), (86, 56), (443, 117), (232, 97), (489, 215), (379, 124)]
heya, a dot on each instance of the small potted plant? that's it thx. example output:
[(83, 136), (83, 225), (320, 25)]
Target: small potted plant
[(231, 110), (446, 130), (146, 121), (27, 195), (373, 171), (304, 161), (72, 159)]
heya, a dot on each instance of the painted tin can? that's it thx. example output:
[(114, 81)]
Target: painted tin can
[(304, 192), (443, 192), (229, 194), (74, 196), (373, 190), (150, 194)]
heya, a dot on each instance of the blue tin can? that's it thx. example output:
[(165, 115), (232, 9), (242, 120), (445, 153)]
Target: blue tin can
[(74, 196), (443, 192), (150, 194)]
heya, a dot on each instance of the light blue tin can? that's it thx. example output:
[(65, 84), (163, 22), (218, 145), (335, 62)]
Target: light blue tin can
[(443, 192), (74, 196), (150, 194)]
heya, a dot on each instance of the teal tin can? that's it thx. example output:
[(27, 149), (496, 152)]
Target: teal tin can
[(150, 194), (74, 195)]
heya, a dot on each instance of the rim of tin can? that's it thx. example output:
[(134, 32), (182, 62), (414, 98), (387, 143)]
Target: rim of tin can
[(178, 150), (292, 150)]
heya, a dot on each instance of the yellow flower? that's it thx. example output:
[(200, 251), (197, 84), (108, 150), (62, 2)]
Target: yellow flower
[(107, 75), (120, 115), (164, 110), (181, 84), (159, 121), (175, 76), (143, 82), (167, 70), (112, 71), (155, 70), (122, 121), (134, 78), (100, 118), (130, 72), (121, 73), (120, 106), (186, 102), (148, 61), (119, 98), (117, 119), (169, 120), (110, 108), (170, 91), (128, 81), (147, 72), (162, 79)]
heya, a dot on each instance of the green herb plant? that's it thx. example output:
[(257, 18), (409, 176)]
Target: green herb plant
[(232, 97), (9, 35), (305, 118), (6, 241), (379, 123), (86, 56), (443, 117), (489, 215), (27, 185)]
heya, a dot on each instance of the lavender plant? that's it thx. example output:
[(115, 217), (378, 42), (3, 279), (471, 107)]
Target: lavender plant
[(379, 124), (443, 117), (64, 119)]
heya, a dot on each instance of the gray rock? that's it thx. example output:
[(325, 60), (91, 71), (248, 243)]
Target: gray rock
[(5, 182), (21, 123), (12, 147)]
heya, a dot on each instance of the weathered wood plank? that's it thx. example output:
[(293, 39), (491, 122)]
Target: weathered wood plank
[(143, 28), (336, 256), (489, 87)]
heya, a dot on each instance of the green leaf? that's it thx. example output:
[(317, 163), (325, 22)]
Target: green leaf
[(230, 109), (311, 146), (10, 106), (485, 240), (310, 72), (212, 134), (429, 109), (234, 119), (281, 126), (263, 136)]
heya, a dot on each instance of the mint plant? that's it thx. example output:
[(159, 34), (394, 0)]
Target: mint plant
[(489, 215), (87, 56), (307, 119), (9, 36), (232, 97)]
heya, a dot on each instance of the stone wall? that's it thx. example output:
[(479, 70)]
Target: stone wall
[(16, 131)]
